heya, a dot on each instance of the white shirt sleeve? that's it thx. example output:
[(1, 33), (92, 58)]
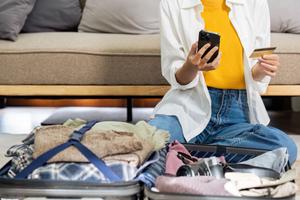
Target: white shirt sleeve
[(262, 37), (172, 52)]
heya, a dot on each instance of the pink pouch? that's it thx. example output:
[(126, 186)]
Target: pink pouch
[(173, 161)]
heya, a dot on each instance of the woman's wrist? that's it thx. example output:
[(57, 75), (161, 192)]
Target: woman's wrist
[(255, 73), (186, 73)]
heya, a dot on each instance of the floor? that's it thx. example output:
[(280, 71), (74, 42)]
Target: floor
[(21, 120)]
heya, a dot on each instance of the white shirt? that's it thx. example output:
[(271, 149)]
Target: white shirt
[(180, 25)]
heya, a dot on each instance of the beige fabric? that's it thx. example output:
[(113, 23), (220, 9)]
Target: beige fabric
[(100, 143), (107, 59), (281, 191), (83, 43), (81, 58), (286, 43), (247, 180), (130, 159), (288, 48), (151, 138), (157, 137)]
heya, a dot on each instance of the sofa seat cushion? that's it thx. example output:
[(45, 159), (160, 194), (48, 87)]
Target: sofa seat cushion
[(81, 58), (107, 59), (288, 48)]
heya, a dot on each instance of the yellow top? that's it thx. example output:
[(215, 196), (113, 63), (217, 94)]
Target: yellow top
[(230, 73)]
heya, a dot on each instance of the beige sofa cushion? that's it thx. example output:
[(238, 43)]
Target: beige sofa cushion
[(107, 59), (288, 48), (81, 58)]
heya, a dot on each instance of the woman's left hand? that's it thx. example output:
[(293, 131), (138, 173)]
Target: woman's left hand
[(266, 66)]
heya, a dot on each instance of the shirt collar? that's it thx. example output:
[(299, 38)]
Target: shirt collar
[(193, 3)]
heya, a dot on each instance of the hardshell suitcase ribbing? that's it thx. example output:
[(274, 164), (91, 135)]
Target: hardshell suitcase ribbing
[(20, 189), (207, 151)]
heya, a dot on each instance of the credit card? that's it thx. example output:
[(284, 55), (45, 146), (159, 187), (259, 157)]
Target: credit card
[(257, 53)]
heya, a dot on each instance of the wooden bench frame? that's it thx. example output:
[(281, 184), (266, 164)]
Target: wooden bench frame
[(117, 91)]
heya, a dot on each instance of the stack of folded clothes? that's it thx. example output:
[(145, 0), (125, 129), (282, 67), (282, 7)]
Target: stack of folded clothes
[(126, 148)]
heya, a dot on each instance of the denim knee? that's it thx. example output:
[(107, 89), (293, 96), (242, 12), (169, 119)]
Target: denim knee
[(282, 140), (170, 124)]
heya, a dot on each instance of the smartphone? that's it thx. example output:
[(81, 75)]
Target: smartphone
[(258, 53), (212, 38)]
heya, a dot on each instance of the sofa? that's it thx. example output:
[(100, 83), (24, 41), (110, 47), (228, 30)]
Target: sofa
[(98, 64)]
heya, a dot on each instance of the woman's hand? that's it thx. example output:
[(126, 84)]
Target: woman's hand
[(195, 63), (266, 66)]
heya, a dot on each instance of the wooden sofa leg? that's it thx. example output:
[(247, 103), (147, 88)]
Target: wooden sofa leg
[(129, 109), (2, 102)]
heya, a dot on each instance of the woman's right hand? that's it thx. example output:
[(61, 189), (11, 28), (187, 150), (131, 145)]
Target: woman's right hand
[(196, 62)]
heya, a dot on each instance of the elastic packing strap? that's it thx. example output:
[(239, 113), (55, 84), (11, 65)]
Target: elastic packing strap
[(5, 168), (75, 141)]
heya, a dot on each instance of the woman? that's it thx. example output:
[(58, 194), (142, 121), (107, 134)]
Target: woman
[(218, 102)]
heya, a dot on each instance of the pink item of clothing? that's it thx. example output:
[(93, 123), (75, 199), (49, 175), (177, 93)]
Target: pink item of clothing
[(198, 185), (172, 161)]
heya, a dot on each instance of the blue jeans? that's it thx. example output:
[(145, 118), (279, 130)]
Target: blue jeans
[(229, 125)]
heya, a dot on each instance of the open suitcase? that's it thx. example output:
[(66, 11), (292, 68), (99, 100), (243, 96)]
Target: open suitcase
[(21, 188), (207, 151)]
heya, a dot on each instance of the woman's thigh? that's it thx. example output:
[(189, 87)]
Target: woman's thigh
[(169, 123), (255, 136)]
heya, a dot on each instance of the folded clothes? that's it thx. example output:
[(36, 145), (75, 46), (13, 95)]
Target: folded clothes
[(100, 143), (157, 137), (130, 158), (280, 191), (247, 181), (82, 172), (152, 139), (198, 185)]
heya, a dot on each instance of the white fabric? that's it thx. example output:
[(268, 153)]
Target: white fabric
[(180, 24), (247, 180)]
